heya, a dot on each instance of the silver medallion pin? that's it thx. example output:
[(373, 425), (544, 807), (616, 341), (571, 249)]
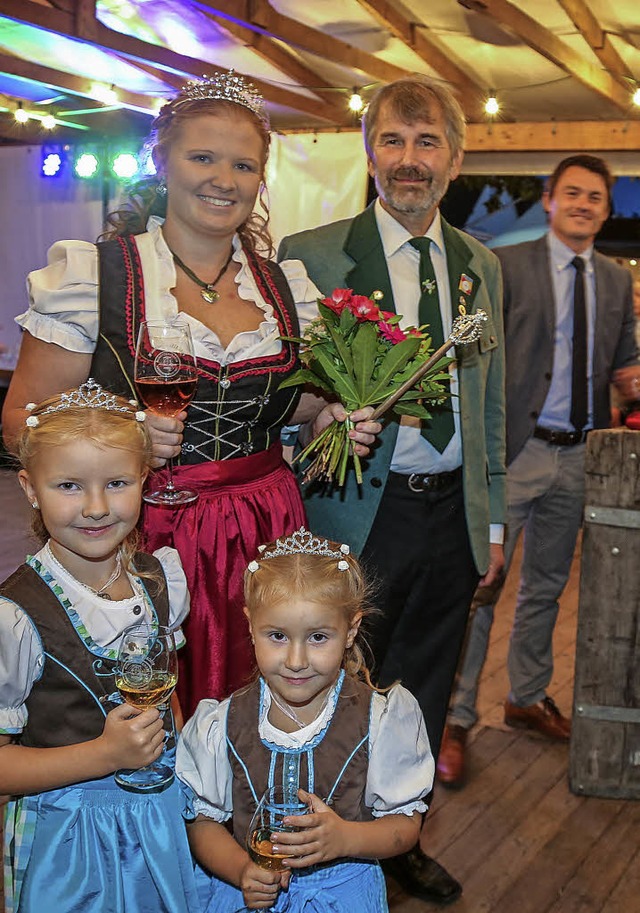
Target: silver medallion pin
[(429, 286)]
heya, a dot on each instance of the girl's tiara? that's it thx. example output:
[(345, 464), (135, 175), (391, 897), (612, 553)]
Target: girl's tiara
[(89, 395), (224, 87), (302, 542)]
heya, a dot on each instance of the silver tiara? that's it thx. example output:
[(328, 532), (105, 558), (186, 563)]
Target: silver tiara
[(302, 542), (89, 395), (225, 87)]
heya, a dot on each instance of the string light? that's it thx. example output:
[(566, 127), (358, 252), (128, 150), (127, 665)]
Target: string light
[(48, 122), (635, 98), (356, 103), (20, 114), (492, 105), (106, 94)]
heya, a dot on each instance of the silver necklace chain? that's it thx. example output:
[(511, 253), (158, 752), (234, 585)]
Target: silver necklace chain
[(117, 571), (292, 715)]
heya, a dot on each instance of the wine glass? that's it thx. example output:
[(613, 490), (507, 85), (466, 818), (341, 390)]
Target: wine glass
[(165, 375), (275, 805), (146, 673)]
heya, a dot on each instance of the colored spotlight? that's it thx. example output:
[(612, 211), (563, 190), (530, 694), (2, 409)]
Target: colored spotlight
[(51, 164), (125, 165), (86, 165)]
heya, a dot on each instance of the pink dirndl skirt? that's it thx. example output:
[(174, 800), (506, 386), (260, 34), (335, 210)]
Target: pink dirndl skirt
[(242, 503)]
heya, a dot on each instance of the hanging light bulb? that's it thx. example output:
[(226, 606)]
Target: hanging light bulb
[(48, 122), (635, 98), (20, 114), (106, 94), (356, 103), (492, 105)]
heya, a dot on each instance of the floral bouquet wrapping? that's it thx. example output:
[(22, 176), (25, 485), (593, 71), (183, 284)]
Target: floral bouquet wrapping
[(358, 353)]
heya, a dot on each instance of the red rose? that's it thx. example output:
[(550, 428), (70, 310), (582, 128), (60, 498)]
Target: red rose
[(339, 300), (364, 308)]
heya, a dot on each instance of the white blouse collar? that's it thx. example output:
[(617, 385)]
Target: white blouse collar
[(206, 342)]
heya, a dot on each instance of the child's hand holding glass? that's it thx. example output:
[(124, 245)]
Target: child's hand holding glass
[(320, 835), (132, 738)]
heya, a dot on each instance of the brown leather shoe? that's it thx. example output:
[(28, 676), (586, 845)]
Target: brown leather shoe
[(543, 717), (450, 768)]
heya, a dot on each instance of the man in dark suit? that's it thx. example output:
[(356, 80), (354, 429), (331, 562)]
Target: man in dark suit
[(569, 331), (422, 518)]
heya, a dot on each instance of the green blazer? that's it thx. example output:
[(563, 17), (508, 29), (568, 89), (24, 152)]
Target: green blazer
[(349, 254)]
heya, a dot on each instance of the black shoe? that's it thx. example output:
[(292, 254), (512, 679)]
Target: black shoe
[(423, 877)]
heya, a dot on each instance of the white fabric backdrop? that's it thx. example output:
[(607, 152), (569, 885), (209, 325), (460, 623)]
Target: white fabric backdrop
[(312, 181)]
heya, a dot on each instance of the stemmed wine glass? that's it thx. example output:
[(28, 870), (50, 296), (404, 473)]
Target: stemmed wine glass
[(165, 376), (146, 674), (275, 805)]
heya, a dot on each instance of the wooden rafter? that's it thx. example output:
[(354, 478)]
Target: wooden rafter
[(60, 81), (260, 16), (277, 55), (597, 39), (402, 23), (550, 46), (565, 136), (98, 34)]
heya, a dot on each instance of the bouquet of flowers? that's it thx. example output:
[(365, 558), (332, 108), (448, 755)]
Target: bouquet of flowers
[(358, 353)]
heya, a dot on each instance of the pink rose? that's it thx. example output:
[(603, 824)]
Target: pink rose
[(391, 332)]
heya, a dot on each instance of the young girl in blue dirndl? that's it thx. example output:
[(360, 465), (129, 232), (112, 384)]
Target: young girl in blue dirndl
[(74, 839), (312, 725)]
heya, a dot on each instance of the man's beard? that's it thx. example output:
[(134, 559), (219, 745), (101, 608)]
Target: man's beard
[(416, 199)]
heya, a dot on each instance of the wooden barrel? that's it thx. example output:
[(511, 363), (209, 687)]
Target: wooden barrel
[(605, 737)]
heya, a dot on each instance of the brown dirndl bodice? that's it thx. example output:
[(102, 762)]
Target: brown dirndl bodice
[(333, 765)]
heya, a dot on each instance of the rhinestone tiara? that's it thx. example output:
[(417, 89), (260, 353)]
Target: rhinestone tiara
[(226, 87), (89, 395), (302, 542)]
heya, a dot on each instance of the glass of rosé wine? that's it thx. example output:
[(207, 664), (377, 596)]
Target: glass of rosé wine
[(166, 376), (146, 674), (268, 820)]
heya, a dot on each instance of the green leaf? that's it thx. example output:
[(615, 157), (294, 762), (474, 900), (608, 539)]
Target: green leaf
[(363, 349), (414, 409), (305, 376), (343, 384), (343, 350), (395, 361)]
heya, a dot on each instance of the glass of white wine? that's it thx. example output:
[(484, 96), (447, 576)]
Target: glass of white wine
[(275, 805), (146, 674)]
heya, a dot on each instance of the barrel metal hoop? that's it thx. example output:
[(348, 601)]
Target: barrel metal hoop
[(608, 714), (612, 516)]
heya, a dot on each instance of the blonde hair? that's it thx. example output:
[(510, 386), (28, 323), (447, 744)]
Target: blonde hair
[(103, 427), (315, 578), (144, 199)]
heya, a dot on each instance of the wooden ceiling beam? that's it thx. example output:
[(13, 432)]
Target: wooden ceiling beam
[(278, 56), (260, 16), (597, 39), (558, 136), (543, 41), (96, 33), (417, 36), (74, 85)]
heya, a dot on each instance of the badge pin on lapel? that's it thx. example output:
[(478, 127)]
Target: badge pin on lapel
[(465, 286)]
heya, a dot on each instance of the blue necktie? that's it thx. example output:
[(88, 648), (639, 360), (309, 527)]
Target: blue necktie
[(439, 430)]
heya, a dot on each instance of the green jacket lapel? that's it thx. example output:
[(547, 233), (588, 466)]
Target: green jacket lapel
[(369, 273), (459, 255)]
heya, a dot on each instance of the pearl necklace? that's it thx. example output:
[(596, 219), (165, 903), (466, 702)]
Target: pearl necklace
[(105, 586), (292, 715)]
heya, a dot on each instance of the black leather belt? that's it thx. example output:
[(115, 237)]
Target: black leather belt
[(561, 438), (426, 481)]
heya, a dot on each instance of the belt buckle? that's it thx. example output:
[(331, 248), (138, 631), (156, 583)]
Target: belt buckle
[(416, 479)]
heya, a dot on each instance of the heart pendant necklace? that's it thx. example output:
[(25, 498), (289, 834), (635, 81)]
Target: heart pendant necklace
[(207, 289)]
